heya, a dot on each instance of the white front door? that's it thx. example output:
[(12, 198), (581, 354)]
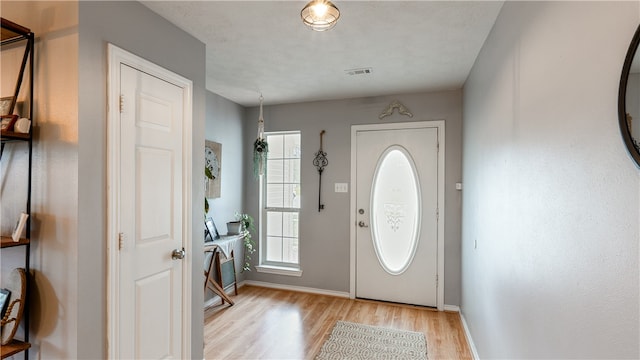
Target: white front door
[(396, 227), (151, 279)]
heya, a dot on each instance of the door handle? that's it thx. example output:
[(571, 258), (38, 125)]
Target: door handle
[(178, 254), (361, 224)]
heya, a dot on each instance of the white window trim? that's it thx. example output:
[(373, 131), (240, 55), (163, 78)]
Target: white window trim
[(277, 268)]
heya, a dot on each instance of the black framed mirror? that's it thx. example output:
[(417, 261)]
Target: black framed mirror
[(629, 99)]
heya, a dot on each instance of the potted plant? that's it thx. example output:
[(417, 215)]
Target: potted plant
[(247, 227)]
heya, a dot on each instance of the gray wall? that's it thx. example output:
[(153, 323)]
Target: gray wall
[(54, 218), (224, 123), (133, 27), (551, 196), (324, 236)]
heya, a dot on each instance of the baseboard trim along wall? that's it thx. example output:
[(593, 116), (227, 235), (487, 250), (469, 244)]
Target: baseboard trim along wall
[(341, 294), (216, 299), (467, 334), (452, 308)]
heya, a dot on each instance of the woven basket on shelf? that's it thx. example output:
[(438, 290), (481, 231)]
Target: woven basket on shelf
[(11, 320)]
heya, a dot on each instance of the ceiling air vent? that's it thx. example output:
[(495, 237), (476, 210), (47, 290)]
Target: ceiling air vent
[(360, 71)]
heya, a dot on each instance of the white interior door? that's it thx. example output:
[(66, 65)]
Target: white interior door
[(396, 192), (150, 186)]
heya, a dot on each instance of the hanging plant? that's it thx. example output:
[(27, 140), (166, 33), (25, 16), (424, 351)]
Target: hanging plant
[(260, 148), (260, 151)]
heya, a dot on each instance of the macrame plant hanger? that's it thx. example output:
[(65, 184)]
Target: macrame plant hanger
[(320, 162), (260, 148)]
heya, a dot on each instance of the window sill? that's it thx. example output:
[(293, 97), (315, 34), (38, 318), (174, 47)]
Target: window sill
[(279, 270)]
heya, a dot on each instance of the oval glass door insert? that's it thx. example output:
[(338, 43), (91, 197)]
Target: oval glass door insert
[(395, 210)]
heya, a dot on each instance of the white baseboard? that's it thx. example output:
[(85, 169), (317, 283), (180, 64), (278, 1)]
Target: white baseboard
[(296, 288), (452, 308), (467, 334)]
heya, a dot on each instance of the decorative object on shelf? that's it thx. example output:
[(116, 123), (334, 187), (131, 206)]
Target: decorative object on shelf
[(20, 224), (17, 286), (22, 126), (8, 122), (4, 301), (320, 162), (260, 147), (213, 159), (395, 104), (234, 228), (247, 228), (211, 229), (5, 105), (320, 15)]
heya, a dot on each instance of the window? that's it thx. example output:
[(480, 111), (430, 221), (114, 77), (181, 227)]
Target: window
[(281, 201)]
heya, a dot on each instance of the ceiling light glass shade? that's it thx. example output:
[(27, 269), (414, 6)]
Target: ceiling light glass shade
[(320, 15)]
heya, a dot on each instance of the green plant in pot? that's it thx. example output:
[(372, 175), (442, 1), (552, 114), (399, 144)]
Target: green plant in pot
[(246, 229), (209, 176)]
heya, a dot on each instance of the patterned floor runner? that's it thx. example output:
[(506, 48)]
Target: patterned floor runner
[(358, 341)]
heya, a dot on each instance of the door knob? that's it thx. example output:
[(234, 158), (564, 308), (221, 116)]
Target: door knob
[(361, 224), (178, 254)]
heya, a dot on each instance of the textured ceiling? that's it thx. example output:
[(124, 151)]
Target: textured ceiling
[(258, 47)]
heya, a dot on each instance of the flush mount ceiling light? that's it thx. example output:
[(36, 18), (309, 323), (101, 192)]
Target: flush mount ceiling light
[(320, 15)]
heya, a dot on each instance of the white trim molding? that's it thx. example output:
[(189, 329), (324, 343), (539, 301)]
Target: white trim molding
[(440, 125), (303, 289), (279, 270), (467, 334), (452, 308)]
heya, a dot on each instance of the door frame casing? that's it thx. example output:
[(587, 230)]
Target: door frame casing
[(116, 57), (438, 124)]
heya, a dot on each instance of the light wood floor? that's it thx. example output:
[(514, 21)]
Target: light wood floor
[(278, 324)]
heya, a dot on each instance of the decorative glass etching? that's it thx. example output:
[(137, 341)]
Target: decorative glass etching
[(394, 213), (395, 210)]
